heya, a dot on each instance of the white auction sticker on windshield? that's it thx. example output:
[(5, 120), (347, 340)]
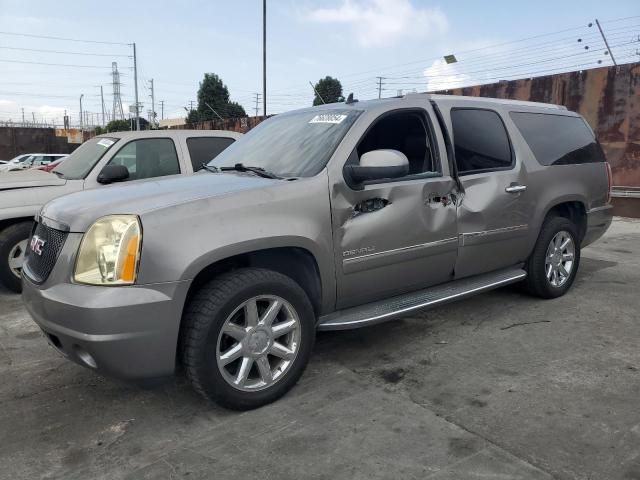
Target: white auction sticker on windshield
[(328, 118), (106, 142)]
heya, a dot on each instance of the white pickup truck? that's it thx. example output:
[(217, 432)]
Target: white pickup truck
[(103, 160)]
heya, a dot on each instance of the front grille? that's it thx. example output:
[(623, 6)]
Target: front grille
[(38, 267)]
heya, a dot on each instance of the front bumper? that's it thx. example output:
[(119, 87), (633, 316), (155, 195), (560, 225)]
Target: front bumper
[(127, 332)]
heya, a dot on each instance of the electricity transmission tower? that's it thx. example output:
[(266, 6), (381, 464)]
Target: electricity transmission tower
[(118, 113)]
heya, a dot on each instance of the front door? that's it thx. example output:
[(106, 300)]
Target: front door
[(400, 235)]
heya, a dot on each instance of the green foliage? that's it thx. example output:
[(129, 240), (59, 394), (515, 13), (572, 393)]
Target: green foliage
[(330, 89), (98, 130), (124, 125), (215, 94), (118, 126)]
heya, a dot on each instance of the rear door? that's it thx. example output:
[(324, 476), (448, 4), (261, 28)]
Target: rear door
[(494, 210)]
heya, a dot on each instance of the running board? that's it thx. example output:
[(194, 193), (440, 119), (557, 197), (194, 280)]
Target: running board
[(384, 310)]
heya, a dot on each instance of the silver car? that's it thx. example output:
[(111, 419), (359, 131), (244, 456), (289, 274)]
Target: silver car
[(327, 218)]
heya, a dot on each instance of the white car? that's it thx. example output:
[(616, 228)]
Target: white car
[(33, 160), (4, 164)]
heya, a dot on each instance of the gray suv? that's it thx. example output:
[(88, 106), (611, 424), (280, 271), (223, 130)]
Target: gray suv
[(327, 218)]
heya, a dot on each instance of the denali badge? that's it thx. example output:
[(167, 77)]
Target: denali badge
[(36, 244)]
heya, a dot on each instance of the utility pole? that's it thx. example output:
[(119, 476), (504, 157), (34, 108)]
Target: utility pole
[(33, 115), (23, 116), (264, 58), (162, 109), (316, 92), (257, 100), (190, 105), (153, 104), (102, 98), (81, 111), (606, 43), (135, 81), (379, 86)]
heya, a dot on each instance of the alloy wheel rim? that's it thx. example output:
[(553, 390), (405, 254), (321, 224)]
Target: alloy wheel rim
[(560, 258), (16, 257), (258, 343)]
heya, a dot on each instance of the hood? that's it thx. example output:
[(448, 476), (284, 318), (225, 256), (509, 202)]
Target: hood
[(29, 179), (79, 210)]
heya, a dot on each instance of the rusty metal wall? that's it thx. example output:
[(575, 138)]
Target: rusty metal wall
[(17, 140), (608, 97), (240, 125)]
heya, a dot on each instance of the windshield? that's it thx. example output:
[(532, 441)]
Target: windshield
[(81, 162), (19, 158), (292, 144)]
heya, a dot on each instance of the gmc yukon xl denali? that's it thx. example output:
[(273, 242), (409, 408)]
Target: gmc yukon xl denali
[(327, 218), (103, 160)]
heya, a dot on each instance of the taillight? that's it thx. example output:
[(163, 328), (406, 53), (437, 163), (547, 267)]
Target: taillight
[(609, 181)]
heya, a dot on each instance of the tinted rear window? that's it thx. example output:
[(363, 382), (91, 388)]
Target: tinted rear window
[(204, 149), (558, 139), (480, 140)]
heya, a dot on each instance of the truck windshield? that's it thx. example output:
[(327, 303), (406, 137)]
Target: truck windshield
[(295, 144), (81, 162)]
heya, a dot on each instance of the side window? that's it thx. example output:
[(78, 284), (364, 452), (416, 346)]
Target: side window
[(558, 139), (204, 149), (148, 158), (407, 132), (480, 140)]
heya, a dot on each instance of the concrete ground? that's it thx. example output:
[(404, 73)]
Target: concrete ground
[(500, 386)]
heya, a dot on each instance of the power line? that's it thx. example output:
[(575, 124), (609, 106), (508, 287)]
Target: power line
[(52, 64), (65, 52), (62, 38)]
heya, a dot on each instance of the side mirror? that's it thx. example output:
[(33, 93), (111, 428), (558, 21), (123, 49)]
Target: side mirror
[(113, 173), (378, 165)]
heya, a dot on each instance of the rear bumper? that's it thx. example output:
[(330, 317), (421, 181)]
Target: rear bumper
[(127, 332), (598, 221)]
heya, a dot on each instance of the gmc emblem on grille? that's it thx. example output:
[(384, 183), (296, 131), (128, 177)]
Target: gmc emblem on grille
[(36, 244)]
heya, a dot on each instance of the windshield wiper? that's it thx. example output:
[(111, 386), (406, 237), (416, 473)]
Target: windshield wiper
[(239, 167), (61, 175), (209, 168)]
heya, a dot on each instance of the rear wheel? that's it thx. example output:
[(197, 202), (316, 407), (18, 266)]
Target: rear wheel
[(247, 337), (13, 246), (553, 265)]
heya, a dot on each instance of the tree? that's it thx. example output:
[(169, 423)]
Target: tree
[(330, 89), (118, 126), (213, 94), (126, 125)]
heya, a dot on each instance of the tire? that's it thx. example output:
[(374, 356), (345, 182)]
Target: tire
[(219, 304), (538, 283), (13, 241)]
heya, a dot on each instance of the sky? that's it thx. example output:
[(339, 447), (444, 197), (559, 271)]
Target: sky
[(354, 40)]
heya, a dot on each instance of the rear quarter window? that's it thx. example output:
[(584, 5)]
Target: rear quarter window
[(558, 139)]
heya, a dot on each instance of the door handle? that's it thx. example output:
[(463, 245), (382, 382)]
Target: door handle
[(515, 188)]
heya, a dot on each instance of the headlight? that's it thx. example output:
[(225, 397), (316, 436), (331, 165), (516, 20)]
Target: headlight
[(110, 251)]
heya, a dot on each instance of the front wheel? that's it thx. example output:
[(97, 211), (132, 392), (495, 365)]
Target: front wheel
[(553, 265), (247, 337), (13, 246)]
